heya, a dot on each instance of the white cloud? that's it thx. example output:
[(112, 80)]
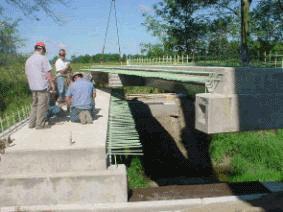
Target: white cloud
[(145, 9)]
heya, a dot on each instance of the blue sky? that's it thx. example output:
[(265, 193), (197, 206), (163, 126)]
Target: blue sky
[(85, 25)]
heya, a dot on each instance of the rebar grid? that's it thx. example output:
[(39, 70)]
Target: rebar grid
[(11, 122), (122, 136)]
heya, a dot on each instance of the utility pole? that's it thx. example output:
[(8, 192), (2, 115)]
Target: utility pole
[(245, 20)]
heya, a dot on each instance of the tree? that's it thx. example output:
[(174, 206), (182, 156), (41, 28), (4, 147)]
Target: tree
[(152, 50), (182, 22), (268, 21), (54, 59), (34, 8), (9, 39)]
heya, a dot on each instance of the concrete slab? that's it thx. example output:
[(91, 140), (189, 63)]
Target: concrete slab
[(274, 186), (58, 136), (190, 205), (46, 161), (65, 188), (66, 146), (255, 203)]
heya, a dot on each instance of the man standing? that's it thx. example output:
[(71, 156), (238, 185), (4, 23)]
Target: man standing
[(61, 66), (38, 72), (82, 94)]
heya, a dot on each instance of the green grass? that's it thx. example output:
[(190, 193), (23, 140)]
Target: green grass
[(136, 174), (249, 156), (142, 90), (14, 90)]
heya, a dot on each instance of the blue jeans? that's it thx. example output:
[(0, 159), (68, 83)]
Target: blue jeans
[(75, 114), (61, 86)]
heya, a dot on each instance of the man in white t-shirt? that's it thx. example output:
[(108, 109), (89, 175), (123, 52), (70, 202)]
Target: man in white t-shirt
[(61, 67), (38, 72)]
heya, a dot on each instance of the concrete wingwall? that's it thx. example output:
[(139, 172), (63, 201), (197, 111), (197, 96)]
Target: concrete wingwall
[(242, 99)]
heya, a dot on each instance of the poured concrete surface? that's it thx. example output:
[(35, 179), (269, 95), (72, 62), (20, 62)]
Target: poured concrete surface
[(58, 136), (63, 164), (103, 186), (66, 146)]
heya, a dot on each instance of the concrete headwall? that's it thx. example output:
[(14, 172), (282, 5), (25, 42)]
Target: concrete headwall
[(241, 99)]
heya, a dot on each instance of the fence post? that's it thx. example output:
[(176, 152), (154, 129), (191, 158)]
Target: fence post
[(14, 116), (8, 123), (2, 130), (19, 114)]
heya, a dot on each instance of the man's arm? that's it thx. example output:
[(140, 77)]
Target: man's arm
[(60, 67), (68, 96), (51, 80)]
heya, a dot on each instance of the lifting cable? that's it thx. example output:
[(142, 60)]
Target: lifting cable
[(107, 27)]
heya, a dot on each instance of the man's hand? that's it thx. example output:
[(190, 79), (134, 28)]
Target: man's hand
[(52, 86)]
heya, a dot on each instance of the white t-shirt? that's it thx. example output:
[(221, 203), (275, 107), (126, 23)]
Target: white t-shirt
[(59, 65), (37, 67)]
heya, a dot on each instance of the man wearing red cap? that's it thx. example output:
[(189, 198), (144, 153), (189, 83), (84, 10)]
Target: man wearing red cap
[(38, 71)]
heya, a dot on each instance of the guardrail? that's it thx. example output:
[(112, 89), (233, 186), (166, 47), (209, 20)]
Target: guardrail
[(271, 60)]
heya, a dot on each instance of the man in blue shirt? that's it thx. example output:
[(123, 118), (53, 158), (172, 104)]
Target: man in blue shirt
[(81, 93)]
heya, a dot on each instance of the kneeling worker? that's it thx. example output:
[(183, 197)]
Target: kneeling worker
[(81, 93)]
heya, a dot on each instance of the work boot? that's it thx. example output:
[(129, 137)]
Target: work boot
[(46, 125), (31, 126), (83, 117), (88, 117)]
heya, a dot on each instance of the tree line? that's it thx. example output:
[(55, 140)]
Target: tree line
[(213, 27)]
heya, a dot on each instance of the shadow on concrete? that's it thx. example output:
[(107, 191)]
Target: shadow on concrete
[(272, 202), (162, 160)]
